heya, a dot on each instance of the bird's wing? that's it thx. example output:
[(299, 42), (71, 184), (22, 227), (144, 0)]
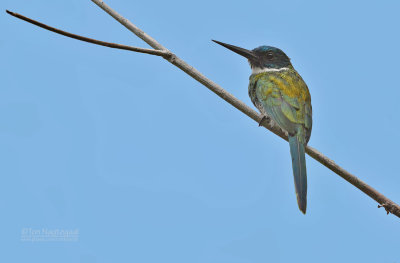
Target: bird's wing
[(308, 120), (285, 102)]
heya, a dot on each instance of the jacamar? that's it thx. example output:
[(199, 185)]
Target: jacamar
[(282, 97)]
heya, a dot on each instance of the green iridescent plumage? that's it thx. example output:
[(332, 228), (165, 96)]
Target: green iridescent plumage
[(284, 97), (278, 91)]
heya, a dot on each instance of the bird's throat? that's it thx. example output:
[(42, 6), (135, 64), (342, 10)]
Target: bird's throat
[(257, 70)]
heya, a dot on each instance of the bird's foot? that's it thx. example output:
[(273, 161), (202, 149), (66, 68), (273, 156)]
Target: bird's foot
[(262, 120)]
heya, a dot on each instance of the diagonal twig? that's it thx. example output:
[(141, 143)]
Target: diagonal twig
[(90, 40), (389, 205), (194, 73)]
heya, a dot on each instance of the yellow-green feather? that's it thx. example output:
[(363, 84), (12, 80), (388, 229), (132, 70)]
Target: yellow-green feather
[(284, 96)]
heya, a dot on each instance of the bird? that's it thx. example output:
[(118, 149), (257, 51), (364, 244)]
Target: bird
[(282, 97)]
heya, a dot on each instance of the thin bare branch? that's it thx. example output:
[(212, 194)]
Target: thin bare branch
[(385, 202), (90, 40), (134, 29), (389, 205)]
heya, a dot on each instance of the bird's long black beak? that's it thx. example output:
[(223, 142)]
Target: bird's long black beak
[(241, 51)]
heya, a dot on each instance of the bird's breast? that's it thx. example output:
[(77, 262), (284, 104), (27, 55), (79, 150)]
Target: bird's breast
[(287, 82)]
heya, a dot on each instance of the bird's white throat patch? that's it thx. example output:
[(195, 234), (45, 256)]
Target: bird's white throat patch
[(261, 70)]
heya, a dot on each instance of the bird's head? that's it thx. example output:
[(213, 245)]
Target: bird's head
[(263, 58)]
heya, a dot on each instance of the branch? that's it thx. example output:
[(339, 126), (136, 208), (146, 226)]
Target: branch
[(388, 204), (383, 201), (90, 40)]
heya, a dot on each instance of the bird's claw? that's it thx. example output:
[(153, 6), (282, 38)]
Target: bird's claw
[(262, 119)]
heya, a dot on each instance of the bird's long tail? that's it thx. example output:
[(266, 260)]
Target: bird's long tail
[(297, 151)]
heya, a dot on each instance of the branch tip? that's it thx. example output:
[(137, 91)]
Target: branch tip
[(162, 53), (386, 208)]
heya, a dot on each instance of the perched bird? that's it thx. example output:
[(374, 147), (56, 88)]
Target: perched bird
[(282, 97)]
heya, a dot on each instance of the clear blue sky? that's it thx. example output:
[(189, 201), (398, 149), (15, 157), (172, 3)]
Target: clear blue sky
[(150, 166)]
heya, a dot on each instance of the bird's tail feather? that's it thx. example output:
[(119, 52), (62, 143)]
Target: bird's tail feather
[(297, 151)]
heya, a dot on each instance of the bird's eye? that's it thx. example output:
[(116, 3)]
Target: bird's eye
[(270, 55)]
